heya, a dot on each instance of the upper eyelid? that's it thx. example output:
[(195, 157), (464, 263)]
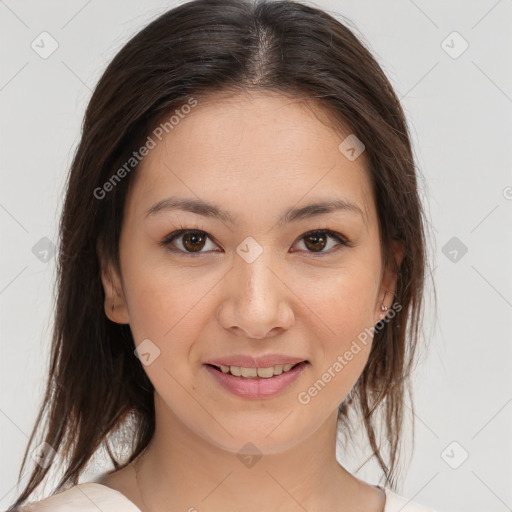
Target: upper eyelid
[(184, 231)]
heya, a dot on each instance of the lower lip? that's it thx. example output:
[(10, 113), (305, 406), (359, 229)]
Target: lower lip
[(257, 387)]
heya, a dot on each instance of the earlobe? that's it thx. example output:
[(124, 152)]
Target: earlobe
[(115, 303), (387, 292)]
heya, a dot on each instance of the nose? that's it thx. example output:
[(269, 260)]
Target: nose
[(256, 301)]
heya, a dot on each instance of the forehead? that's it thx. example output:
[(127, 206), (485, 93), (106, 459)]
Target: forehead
[(259, 152)]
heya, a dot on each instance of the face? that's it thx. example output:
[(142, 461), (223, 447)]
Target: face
[(253, 280)]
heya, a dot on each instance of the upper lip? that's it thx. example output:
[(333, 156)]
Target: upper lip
[(246, 361)]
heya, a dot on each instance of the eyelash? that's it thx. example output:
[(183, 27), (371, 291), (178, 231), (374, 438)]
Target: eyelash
[(343, 242)]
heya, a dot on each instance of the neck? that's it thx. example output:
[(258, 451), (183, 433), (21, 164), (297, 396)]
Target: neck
[(180, 470)]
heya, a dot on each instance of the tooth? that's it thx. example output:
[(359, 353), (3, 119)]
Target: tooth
[(235, 370), (278, 369), (266, 372), (249, 372)]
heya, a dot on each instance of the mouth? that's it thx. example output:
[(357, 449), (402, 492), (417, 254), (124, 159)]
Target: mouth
[(257, 373), (256, 383)]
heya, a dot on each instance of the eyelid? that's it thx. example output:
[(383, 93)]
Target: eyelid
[(342, 240)]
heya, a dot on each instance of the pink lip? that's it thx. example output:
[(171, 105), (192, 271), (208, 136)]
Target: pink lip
[(264, 361), (257, 387)]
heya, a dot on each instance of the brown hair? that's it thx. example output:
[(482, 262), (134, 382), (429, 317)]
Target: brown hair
[(96, 385)]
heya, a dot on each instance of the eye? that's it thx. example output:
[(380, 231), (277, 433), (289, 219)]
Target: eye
[(192, 241), (317, 240)]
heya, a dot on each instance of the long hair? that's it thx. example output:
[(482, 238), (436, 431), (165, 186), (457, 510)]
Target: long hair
[(96, 386)]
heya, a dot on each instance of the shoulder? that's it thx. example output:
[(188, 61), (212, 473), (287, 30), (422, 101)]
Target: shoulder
[(397, 503), (85, 497)]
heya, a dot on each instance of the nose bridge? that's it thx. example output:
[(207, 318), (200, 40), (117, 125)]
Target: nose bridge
[(255, 301), (256, 277)]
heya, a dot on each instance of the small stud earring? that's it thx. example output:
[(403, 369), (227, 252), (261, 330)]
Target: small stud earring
[(383, 307)]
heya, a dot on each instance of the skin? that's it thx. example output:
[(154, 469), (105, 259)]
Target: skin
[(256, 156)]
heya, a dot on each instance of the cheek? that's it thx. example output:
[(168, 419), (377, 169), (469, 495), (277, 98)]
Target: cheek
[(343, 305), (167, 305), (343, 311)]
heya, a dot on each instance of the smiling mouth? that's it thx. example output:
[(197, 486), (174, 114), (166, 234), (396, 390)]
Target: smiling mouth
[(257, 373)]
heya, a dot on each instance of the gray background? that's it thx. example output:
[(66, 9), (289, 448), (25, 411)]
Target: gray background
[(460, 110)]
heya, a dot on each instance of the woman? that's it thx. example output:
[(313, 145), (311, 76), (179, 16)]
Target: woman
[(241, 271)]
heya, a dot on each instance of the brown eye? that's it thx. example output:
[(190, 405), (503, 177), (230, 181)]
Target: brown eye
[(193, 241), (190, 242), (317, 241)]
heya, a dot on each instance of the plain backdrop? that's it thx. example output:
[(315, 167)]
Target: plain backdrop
[(449, 62)]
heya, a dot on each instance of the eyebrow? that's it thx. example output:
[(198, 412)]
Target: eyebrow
[(204, 209)]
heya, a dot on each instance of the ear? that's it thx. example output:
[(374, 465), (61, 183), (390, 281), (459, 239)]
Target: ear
[(115, 302), (386, 296)]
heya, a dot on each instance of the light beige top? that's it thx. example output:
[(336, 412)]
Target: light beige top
[(92, 497)]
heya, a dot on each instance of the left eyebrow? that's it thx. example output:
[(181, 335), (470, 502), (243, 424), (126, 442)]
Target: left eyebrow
[(204, 209), (320, 208)]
